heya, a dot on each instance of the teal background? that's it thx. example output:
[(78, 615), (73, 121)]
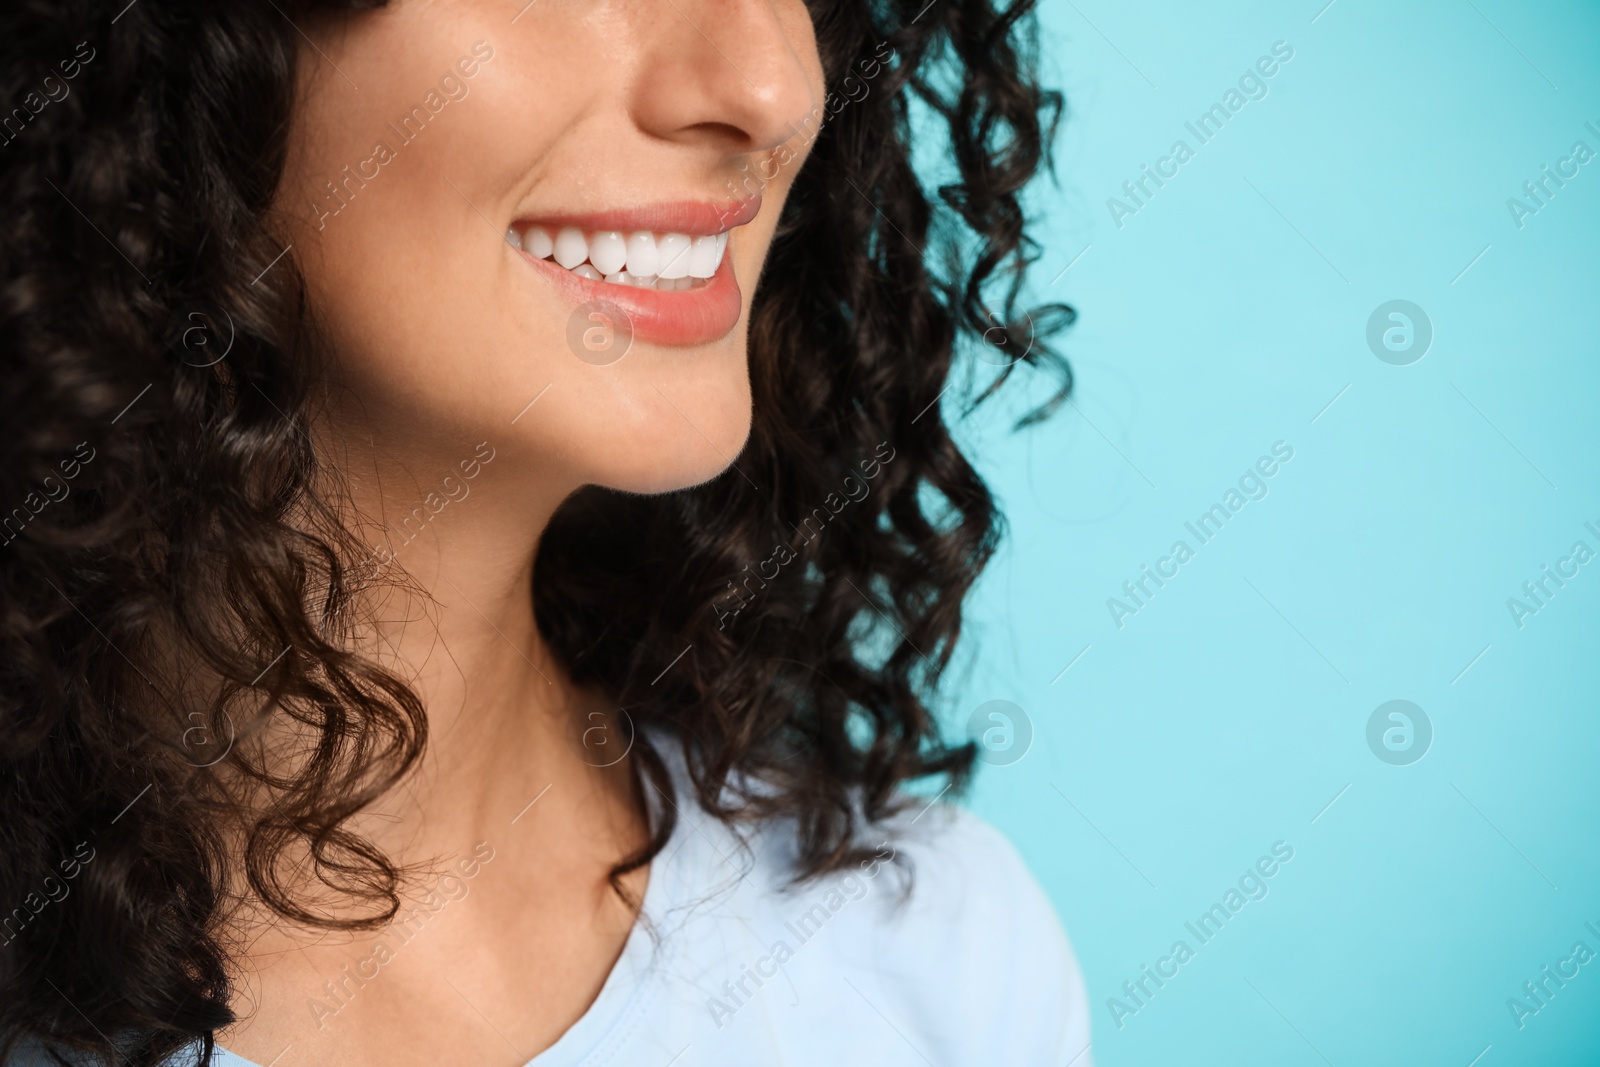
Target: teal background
[(1231, 711)]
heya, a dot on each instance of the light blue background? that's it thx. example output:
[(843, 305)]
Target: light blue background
[(1231, 710)]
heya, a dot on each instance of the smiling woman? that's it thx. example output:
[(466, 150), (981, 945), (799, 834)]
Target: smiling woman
[(423, 228)]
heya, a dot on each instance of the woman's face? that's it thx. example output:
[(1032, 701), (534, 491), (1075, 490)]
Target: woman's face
[(631, 148)]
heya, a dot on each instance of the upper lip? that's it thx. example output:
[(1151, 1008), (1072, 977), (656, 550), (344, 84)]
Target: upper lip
[(692, 217)]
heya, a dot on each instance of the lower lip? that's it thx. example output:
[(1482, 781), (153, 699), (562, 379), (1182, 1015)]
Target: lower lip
[(680, 318)]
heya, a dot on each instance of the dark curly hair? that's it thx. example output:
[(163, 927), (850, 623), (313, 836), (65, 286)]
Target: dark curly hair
[(165, 525)]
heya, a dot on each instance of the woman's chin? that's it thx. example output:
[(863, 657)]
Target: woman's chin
[(668, 473), (673, 454)]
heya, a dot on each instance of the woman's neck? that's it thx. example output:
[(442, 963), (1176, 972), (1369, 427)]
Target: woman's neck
[(507, 811), (453, 531)]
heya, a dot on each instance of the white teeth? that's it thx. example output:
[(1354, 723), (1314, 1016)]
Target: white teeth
[(537, 243), (571, 249), (668, 262), (608, 251), (674, 249), (703, 257), (642, 255)]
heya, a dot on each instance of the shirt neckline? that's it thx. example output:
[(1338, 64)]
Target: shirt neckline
[(629, 988)]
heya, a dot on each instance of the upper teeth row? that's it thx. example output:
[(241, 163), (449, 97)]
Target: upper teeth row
[(641, 254)]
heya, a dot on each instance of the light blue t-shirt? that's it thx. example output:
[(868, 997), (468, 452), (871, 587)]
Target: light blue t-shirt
[(972, 969)]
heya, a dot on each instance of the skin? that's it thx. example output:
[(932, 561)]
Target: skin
[(439, 336)]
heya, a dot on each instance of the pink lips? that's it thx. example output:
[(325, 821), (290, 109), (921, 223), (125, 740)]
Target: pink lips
[(685, 317)]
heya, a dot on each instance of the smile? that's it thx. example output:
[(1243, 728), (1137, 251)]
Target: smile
[(643, 259), (664, 267)]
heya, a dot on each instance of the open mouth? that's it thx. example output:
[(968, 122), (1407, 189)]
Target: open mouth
[(663, 267), (644, 259)]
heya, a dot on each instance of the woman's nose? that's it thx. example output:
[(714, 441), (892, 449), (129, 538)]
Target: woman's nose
[(740, 73)]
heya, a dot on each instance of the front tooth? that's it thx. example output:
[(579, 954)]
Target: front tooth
[(643, 281), (643, 259), (620, 277), (703, 257), (571, 249), (586, 270), (722, 246), (674, 249), (608, 251), (537, 243)]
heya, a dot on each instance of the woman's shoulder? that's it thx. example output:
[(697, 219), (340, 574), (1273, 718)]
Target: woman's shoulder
[(942, 931)]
